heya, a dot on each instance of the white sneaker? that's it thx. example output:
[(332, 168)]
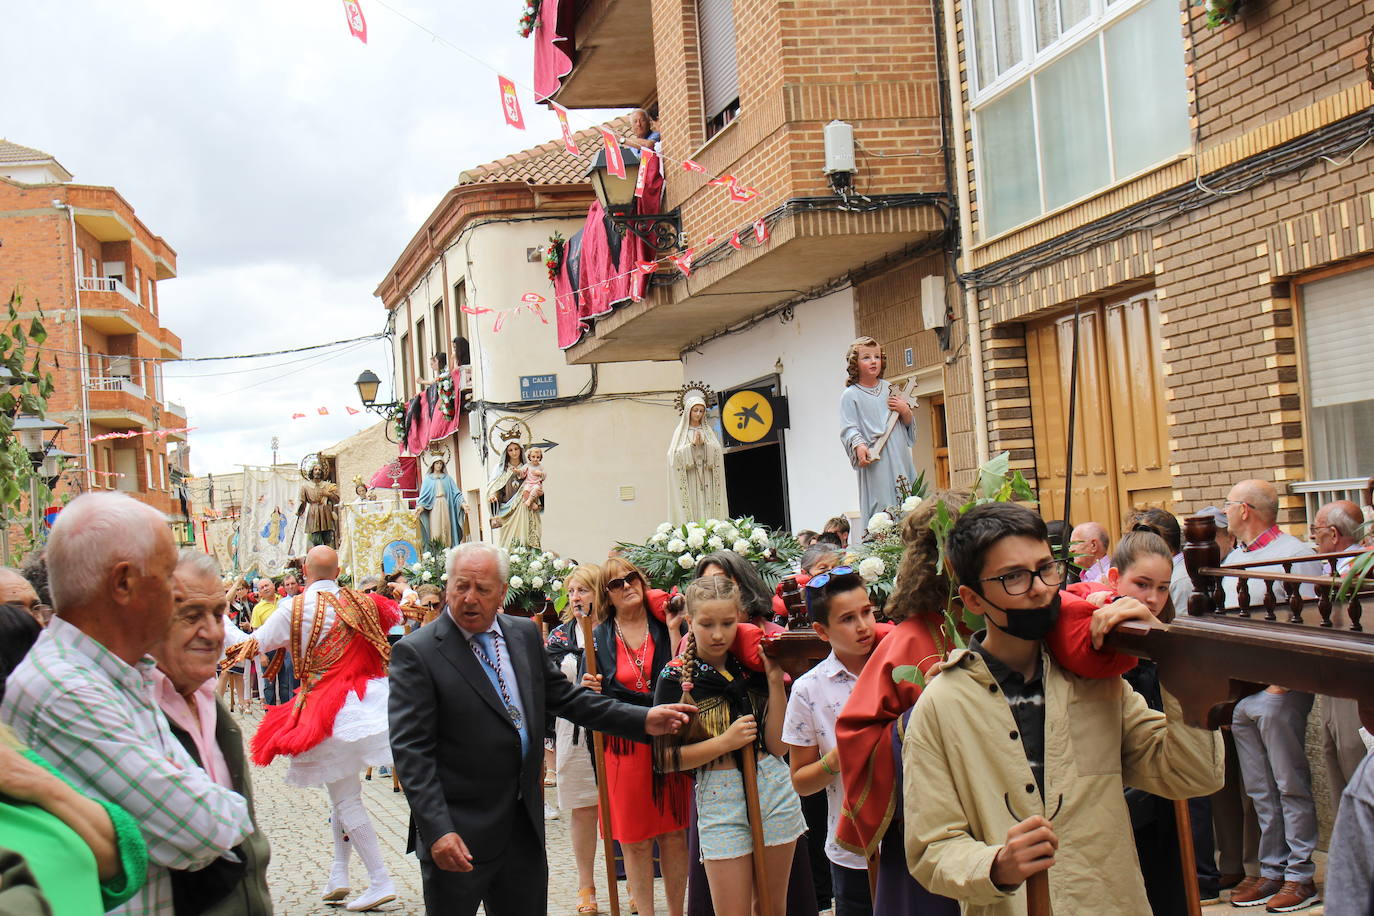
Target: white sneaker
[(373, 897), (550, 812)]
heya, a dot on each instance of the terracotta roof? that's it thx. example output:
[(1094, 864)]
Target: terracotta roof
[(546, 164), (13, 152)]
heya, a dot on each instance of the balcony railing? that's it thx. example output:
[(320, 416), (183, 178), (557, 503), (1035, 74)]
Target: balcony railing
[(1317, 493), (108, 285), (174, 407), (116, 383)]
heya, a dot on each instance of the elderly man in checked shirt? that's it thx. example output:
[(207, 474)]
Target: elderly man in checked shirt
[(83, 697)]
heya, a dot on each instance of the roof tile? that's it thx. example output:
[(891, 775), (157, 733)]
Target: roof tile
[(546, 164)]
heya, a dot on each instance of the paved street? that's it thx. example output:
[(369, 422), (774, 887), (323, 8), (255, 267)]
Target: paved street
[(297, 822)]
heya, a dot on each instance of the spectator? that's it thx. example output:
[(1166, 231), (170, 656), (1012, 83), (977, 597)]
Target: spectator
[(1270, 727), (762, 607), (112, 561), (839, 526), (829, 537), (1350, 867), (35, 569), (1166, 526), (291, 585), (1226, 541), (1333, 530), (805, 538), (277, 689), (18, 632), (643, 134), (15, 589), (184, 689), (1088, 546)]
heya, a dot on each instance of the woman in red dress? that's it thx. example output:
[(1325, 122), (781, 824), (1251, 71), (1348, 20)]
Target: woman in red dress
[(632, 646)]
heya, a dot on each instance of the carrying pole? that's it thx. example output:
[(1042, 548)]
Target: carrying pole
[(603, 792)]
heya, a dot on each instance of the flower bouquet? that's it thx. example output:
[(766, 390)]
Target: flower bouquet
[(536, 576), (528, 17), (878, 557), (670, 555)]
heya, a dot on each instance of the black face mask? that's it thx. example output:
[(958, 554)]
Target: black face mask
[(1030, 624)]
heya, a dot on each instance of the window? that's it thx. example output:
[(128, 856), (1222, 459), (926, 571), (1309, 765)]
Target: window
[(440, 328), (1338, 336), (138, 287), (405, 366), (421, 357), (460, 304), (149, 473), (719, 63), (1072, 96)]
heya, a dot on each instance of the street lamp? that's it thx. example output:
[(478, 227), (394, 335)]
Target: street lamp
[(368, 383), (392, 411), (43, 455), (616, 195)]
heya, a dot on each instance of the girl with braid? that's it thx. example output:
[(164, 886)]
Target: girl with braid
[(737, 707)]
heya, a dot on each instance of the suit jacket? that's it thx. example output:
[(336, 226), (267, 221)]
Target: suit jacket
[(247, 893), (456, 750)]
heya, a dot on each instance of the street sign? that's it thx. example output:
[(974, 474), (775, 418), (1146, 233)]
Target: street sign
[(538, 387), (750, 417)]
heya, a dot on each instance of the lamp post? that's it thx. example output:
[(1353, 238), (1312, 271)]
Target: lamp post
[(367, 384), (660, 231), (43, 455)]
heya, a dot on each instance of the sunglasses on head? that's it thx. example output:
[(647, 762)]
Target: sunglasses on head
[(820, 581), (616, 585)]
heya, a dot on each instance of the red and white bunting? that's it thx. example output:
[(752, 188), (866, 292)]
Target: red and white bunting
[(723, 181), (323, 411), (352, 411), (535, 303), (473, 310), (647, 267), (742, 195), (684, 261), (357, 25), (735, 243), (761, 230), (510, 103), (645, 155), (691, 166), (615, 160), (500, 322), (298, 416), (569, 143)]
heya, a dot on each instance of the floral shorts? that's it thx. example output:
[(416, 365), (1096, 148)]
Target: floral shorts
[(723, 820)]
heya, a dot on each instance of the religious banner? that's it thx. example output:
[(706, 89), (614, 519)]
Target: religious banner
[(269, 533), (569, 143), (357, 25), (615, 160), (380, 538), (220, 540), (510, 103)]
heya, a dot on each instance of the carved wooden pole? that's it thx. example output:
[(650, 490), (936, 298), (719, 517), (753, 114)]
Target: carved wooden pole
[(603, 793)]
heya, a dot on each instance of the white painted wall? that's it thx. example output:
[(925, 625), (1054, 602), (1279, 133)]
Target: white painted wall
[(811, 346), (603, 444)]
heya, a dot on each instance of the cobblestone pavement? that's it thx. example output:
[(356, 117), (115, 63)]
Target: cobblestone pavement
[(297, 823)]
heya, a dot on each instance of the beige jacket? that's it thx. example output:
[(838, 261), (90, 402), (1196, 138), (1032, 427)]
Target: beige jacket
[(964, 767)]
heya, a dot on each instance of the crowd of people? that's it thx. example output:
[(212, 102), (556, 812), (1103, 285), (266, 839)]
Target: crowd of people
[(917, 768)]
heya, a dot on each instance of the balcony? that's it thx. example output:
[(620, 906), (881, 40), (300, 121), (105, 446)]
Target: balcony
[(612, 51), (1317, 493), (118, 402), (110, 307), (174, 417)]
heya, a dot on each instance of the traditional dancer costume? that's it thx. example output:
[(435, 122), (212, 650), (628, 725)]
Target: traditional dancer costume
[(336, 726)]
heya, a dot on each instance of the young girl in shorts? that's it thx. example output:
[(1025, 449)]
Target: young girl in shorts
[(733, 703)]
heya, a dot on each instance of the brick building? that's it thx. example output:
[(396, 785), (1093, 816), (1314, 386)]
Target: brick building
[(99, 304), (746, 89), (1204, 199)]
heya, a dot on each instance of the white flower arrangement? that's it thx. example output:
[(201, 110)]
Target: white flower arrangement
[(741, 546), (910, 503), (686, 561), (670, 554), (871, 569), (676, 545), (880, 523), (715, 543), (517, 582), (696, 539)]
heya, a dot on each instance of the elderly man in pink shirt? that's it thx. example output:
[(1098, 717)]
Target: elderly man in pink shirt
[(185, 692)]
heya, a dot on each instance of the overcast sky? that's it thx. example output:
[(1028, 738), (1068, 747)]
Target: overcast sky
[(284, 161)]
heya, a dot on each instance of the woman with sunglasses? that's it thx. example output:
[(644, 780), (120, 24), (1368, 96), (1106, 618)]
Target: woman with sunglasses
[(633, 644)]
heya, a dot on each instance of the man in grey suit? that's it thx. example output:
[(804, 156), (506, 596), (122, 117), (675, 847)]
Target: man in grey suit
[(469, 696)]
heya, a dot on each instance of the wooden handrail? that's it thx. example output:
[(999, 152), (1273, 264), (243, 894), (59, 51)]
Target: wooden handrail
[(1315, 557)]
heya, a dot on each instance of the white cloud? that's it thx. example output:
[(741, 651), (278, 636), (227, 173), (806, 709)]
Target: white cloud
[(287, 164)]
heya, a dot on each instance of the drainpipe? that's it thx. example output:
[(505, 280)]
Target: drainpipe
[(975, 340), (81, 349)]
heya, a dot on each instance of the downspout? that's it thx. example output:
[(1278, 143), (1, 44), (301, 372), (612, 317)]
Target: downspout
[(81, 352), (971, 322)]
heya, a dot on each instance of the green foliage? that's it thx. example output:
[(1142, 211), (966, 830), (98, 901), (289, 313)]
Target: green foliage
[(24, 389), (1359, 571), (669, 557)]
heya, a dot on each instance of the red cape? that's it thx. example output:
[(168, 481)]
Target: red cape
[(863, 731)]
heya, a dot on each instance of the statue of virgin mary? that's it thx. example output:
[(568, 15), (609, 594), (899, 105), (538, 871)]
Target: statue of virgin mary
[(696, 462)]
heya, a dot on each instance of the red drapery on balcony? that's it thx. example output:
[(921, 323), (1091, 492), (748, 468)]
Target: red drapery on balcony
[(408, 482), (553, 46), (425, 420)]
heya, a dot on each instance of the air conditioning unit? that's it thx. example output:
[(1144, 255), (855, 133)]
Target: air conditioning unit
[(933, 308)]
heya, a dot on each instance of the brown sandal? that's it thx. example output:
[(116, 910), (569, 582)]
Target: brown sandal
[(588, 897)]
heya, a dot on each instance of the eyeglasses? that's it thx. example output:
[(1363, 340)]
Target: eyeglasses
[(1313, 529), (429, 604), (616, 585), (1018, 582), (1235, 502), (822, 580)]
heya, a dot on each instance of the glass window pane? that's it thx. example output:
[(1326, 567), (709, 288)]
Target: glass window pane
[(1007, 20), (1148, 91), (1008, 189), (984, 50), (1072, 12), (1073, 126), (1046, 23)]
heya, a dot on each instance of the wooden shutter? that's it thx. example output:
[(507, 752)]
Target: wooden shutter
[(719, 66), (1338, 329)]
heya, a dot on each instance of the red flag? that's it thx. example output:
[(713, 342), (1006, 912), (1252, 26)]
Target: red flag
[(298, 416), (644, 156), (742, 195), (761, 230), (473, 310), (352, 411), (723, 180), (323, 411), (615, 161), (357, 25), (647, 267), (691, 166), (710, 239), (735, 243), (532, 298), (500, 322), (684, 261), (510, 103), (569, 143)]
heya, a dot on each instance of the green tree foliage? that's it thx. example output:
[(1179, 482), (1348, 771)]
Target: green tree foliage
[(24, 389)]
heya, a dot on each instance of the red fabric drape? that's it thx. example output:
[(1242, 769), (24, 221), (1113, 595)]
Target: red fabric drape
[(553, 46), (632, 251), (566, 320), (408, 481)]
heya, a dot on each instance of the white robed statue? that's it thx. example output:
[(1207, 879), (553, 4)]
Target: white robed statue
[(696, 462), (865, 406), (440, 507)]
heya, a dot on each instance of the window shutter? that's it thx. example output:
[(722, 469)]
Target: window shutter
[(719, 67), (1338, 318)]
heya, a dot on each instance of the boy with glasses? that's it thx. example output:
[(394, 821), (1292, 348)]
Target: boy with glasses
[(1013, 765)]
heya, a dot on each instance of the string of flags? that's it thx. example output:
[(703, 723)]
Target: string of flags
[(324, 412), (136, 433)]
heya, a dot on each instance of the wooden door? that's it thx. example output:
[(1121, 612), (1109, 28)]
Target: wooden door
[(939, 442), (1121, 455)]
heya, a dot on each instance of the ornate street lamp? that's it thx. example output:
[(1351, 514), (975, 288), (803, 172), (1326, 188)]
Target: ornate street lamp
[(392, 411), (659, 231), (43, 455)]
